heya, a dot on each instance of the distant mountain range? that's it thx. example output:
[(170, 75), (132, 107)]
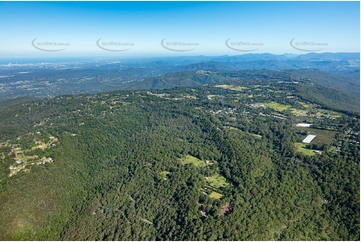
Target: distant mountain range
[(336, 72), (323, 61)]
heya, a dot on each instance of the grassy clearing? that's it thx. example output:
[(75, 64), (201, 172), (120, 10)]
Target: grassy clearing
[(304, 104), (217, 181), (213, 184), (323, 137), (193, 160), (210, 97), (300, 147), (161, 95), (323, 112), (203, 72), (277, 106), (215, 195), (232, 87), (252, 134), (299, 112)]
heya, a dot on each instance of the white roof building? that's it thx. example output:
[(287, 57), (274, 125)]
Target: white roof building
[(303, 125), (309, 138)]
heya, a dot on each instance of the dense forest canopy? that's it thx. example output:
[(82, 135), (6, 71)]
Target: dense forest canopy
[(195, 155)]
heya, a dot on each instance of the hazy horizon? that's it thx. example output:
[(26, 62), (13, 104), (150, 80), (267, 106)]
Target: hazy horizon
[(145, 57)]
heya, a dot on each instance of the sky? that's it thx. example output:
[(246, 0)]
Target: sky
[(48, 29)]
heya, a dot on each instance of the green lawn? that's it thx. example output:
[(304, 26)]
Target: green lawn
[(300, 147), (215, 195), (214, 183), (298, 112), (193, 160), (217, 181), (277, 106), (322, 136), (328, 112)]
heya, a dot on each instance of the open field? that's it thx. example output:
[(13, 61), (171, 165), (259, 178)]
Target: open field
[(323, 137), (161, 95), (216, 181), (210, 97), (299, 112), (323, 112), (305, 105), (300, 147), (277, 106), (232, 87), (193, 160), (215, 195)]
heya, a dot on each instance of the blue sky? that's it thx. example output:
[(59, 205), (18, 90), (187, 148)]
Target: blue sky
[(140, 27)]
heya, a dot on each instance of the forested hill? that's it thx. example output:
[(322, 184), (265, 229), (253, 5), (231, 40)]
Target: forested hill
[(218, 162), (333, 78), (331, 89), (329, 62)]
